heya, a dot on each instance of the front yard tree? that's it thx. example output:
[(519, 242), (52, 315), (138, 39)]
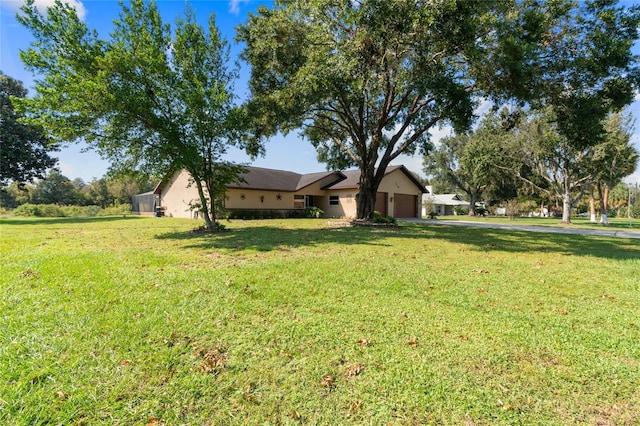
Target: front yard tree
[(614, 159), (147, 98), (584, 70), (467, 161), (547, 161), (24, 149), (365, 81)]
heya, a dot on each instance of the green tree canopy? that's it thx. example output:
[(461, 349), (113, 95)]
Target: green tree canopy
[(581, 66), (366, 80), (613, 159), (148, 97), (24, 149), (468, 160)]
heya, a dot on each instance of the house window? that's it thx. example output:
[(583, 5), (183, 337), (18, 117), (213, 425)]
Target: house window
[(298, 202), (334, 200)]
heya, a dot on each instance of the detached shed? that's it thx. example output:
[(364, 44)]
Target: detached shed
[(144, 204)]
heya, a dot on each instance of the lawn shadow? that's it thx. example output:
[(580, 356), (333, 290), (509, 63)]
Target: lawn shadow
[(270, 237), (516, 241)]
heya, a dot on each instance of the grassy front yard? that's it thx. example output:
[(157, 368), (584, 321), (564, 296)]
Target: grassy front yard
[(616, 223), (138, 321)]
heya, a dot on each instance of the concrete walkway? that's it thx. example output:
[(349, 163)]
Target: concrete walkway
[(530, 228)]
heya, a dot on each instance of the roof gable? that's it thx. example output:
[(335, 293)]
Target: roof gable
[(352, 178)]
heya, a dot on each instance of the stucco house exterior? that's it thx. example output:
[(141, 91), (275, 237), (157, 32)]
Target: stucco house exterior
[(399, 194)]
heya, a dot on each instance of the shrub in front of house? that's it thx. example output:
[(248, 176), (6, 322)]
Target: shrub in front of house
[(378, 218), (252, 214), (460, 211), (313, 212)]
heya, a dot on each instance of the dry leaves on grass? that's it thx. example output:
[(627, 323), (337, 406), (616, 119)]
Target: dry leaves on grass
[(364, 342), (355, 406), (328, 382), (213, 360), (61, 395), (353, 370)]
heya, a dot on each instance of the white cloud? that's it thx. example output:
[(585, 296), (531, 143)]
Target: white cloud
[(234, 6), (42, 5), (483, 106), (637, 97)]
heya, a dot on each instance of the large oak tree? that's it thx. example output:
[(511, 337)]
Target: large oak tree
[(148, 97), (581, 72), (366, 81)]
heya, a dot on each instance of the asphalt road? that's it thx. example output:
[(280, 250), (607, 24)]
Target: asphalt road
[(530, 228)]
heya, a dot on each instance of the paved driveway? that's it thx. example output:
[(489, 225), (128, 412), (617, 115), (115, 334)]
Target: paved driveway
[(531, 228)]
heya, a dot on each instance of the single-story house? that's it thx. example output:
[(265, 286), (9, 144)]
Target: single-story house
[(442, 204), (399, 194)]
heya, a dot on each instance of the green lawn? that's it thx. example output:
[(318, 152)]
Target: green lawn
[(616, 223), (137, 321)]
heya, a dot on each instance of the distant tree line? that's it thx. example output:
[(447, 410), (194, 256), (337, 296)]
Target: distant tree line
[(58, 189), (522, 155)]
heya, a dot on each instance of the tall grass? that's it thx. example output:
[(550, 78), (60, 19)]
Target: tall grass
[(139, 321)]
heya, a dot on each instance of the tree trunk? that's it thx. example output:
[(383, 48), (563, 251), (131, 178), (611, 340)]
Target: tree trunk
[(472, 204), (366, 202), (604, 203), (366, 199), (592, 205), (566, 208), (210, 224), (566, 200)]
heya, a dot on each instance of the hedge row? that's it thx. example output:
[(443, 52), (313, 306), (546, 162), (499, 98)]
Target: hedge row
[(54, 210), (249, 214)]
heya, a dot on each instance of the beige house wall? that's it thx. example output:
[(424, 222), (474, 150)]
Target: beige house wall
[(316, 187), (238, 198), (394, 183), (346, 203), (177, 195)]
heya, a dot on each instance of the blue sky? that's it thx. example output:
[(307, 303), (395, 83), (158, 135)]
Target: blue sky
[(288, 153)]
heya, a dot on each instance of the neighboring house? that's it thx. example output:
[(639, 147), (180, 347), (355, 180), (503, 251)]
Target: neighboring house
[(335, 193), (442, 204)]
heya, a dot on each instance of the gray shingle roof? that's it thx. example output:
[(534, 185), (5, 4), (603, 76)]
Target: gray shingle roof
[(269, 179), (282, 180), (279, 180)]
